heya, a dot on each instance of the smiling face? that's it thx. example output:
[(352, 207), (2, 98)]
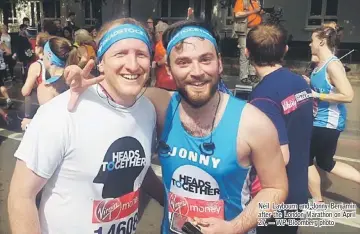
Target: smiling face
[(126, 66), (196, 68)]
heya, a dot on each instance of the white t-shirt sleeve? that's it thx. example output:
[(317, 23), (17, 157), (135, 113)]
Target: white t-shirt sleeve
[(43, 146)]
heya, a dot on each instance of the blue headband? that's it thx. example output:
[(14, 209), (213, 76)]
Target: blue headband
[(52, 57), (190, 31), (121, 32)]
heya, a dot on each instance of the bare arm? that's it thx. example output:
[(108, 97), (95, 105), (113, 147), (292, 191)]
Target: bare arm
[(337, 76), (243, 14), (286, 153), (24, 187), (153, 186), (160, 99), (33, 73), (261, 138)]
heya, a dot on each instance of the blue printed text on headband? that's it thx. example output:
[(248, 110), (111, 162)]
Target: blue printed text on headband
[(121, 32), (190, 31)]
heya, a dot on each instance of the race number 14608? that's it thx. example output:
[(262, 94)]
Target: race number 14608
[(123, 227)]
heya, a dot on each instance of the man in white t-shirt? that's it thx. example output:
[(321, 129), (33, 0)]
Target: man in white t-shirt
[(90, 163)]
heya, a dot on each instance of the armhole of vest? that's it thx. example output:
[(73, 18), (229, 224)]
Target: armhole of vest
[(41, 68), (327, 75), (234, 109), (237, 111)]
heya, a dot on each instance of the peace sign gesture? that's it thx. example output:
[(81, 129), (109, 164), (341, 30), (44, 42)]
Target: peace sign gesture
[(79, 80)]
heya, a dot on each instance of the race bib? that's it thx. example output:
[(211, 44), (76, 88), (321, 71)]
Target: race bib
[(182, 208), (118, 215)]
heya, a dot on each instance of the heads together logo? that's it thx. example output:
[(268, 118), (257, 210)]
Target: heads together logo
[(190, 196), (122, 165)]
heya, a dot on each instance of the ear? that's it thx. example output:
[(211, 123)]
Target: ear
[(221, 67), (168, 69), (286, 49), (101, 66)]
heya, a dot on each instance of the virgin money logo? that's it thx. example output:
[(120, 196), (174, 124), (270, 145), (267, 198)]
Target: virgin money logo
[(109, 210), (289, 104), (178, 204)]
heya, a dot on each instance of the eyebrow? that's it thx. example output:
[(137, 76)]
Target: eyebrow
[(200, 56), (127, 50)]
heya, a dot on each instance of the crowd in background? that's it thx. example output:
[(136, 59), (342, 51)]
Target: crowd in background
[(26, 49)]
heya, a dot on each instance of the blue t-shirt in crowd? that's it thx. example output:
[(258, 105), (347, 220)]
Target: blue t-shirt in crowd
[(286, 99)]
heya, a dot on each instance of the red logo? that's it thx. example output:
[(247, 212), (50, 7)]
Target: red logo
[(178, 204), (289, 104), (196, 208), (108, 211)]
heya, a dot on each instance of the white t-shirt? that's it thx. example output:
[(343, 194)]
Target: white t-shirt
[(95, 160)]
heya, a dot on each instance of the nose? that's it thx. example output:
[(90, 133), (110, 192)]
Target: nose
[(131, 64), (196, 70)]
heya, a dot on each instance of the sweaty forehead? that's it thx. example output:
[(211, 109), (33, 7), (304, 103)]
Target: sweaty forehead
[(193, 46)]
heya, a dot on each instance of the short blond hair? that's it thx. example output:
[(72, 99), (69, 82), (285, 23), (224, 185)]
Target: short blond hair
[(82, 36)]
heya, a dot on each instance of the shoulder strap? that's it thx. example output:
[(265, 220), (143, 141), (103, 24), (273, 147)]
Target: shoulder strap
[(43, 71)]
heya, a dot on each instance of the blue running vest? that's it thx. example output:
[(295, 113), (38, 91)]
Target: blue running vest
[(197, 185), (327, 115)]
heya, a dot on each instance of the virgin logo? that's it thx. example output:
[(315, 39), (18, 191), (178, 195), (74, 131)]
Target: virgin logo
[(178, 204), (289, 104), (108, 210)]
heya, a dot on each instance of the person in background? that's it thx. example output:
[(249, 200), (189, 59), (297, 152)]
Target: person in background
[(70, 21), (50, 28), (163, 79), (68, 34), (286, 99), (24, 50), (26, 21), (331, 90), (247, 15), (150, 24), (315, 60), (9, 61), (86, 46), (4, 50), (31, 33), (150, 27), (93, 31), (59, 29), (36, 75)]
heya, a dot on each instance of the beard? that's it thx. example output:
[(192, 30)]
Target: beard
[(197, 100)]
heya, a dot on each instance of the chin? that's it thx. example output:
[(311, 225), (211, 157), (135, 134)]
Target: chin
[(197, 98)]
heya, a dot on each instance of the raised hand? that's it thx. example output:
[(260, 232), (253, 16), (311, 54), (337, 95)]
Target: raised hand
[(79, 80)]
